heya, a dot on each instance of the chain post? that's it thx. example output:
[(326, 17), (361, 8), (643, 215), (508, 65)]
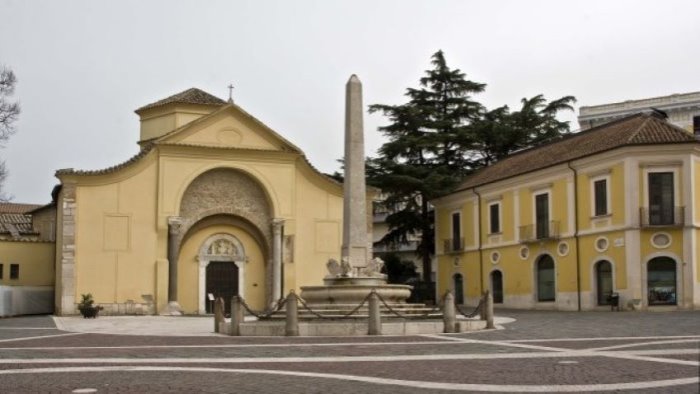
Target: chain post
[(292, 316), (218, 314), (375, 319), (448, 314), (237, 316), (489, 310)]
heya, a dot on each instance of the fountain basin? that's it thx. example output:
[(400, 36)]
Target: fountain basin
[(354, 293)]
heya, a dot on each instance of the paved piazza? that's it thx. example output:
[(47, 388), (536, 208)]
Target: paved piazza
[(655, 352)]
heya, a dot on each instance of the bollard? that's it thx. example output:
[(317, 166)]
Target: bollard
[(375, 319), (448, 313), (292, 327), (237, 316), (218, 313), (489, 310), (482, 306)]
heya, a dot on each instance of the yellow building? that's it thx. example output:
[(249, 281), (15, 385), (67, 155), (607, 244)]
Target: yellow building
[(214, 203), (613, 209), (27, 253)]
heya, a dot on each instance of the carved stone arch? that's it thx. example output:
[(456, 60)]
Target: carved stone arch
[(226, 191), (224, 247), (226, 216)]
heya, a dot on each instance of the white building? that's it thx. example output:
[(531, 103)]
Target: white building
[(683, 110)]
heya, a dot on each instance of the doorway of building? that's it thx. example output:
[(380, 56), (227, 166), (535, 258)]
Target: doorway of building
[(604, 283), (661, 281), (458, 288), (221, 281), (497, 286), (545, 279)]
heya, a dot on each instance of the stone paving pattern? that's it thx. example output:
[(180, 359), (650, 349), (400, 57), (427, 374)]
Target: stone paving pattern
[(548, 350)]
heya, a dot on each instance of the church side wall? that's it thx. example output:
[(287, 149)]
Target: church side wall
[(317, 231), (116, 241)]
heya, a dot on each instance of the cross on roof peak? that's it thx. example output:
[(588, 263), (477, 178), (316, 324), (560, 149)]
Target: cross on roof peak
[(230, 93)]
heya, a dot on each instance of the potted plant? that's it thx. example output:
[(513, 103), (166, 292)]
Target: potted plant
[(87, 307)]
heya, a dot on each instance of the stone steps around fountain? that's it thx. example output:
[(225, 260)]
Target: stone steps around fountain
[(355, 327), (338, 311)]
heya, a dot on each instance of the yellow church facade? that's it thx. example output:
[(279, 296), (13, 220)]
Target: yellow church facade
[(613, 210), (214, 204)]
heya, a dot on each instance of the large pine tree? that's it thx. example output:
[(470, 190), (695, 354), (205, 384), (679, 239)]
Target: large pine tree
[(427, 152), (500, 132)]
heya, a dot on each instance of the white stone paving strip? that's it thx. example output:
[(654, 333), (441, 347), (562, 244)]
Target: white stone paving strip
[(499, 343), (234, 346), (580, 352), (345, 359), (374, 380), (596, 339), (40, 337), (637, 344), (27, 328)]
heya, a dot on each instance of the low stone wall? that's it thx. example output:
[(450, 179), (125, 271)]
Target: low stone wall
[(127, 308), (353, 328)]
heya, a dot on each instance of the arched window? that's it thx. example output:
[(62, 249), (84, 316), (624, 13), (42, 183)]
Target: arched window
[(458, 288), (604, 283), (661, 281), (545, 279), (497, 286)]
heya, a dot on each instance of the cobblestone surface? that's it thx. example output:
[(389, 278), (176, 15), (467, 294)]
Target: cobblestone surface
[(540, 351)]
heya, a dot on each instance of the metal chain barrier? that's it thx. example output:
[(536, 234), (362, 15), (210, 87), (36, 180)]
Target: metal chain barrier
[(474, 312), (321, 316), (423, 315), (438, 307), (265, 314)]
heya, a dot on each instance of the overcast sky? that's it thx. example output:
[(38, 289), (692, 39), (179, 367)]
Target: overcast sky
[(85, 66)]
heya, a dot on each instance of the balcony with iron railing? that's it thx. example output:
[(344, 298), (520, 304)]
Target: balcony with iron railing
[(539, 232), (660, 216), (453, 245)]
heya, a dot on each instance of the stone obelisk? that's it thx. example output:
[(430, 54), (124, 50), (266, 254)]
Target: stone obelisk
[(349, 282), (354, 247)]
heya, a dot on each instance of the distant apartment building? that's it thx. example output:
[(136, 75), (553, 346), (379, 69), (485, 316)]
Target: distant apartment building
[(406, 251), (683, 110)]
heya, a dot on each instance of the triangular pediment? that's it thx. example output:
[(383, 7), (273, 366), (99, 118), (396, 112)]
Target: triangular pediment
[(228, 127)]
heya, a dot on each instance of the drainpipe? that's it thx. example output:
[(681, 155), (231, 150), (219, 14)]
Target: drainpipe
[(578, 253), (481, 252)]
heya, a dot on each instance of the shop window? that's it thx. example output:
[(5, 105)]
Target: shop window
[(661, 281)]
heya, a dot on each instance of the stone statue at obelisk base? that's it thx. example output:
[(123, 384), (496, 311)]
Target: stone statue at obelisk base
[(351, 279)]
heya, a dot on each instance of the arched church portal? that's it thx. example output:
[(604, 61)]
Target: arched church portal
[(222, 261)]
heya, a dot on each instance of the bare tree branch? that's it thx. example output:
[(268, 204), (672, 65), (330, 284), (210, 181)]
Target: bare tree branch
[(9, 111)]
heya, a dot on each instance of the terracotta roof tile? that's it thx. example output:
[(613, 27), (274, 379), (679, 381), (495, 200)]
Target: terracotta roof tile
[(189, 96), (639, 129), (143, 152), (10, 207), (16, 224)]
